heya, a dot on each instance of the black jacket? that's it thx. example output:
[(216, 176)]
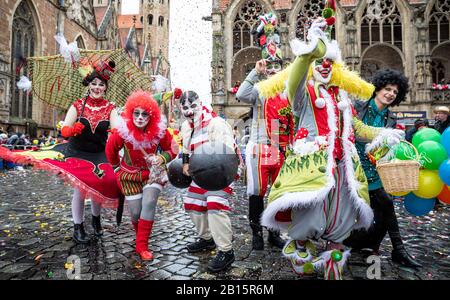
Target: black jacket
[(362, 107), (441, 126)]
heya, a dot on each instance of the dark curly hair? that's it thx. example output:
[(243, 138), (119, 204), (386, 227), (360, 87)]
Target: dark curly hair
[(390, 76), (88, 79)]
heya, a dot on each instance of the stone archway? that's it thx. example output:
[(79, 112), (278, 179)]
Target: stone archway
[(440, 63), (378, 57), (243, 62)]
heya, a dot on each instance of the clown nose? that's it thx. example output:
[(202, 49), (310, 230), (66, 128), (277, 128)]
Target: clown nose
[(326, 63)]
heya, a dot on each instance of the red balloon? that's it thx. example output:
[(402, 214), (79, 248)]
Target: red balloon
[(444, 196)]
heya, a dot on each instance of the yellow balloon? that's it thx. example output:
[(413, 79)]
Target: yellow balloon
[(398, 194), (35, 142), (430, 185)]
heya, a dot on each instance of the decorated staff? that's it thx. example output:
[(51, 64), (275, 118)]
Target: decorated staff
[(272, 126), (321, 190)]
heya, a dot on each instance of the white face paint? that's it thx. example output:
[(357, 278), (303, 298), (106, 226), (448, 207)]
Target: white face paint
[(140, 117), (191, 107), (97, 88), (322, 70)]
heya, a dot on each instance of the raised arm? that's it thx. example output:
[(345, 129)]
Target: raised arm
[(247, 91), (306, 53)]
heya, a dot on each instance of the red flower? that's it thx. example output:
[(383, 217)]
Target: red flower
[(262, 40)]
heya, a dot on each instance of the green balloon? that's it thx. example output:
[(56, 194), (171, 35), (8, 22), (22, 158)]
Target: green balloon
[(404, 151), (432, 154), (426, 134)]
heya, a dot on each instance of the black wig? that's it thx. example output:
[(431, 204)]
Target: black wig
[(389, 76)]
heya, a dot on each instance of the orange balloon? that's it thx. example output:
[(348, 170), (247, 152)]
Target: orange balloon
[(444, 196)]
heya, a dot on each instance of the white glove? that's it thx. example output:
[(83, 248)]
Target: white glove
[(386, 136), (316, 29)]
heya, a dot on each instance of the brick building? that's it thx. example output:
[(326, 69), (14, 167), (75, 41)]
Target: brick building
[(28, 29), (412, 36)]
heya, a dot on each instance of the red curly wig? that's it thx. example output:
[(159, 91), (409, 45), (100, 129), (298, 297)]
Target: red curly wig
[(145, 101)]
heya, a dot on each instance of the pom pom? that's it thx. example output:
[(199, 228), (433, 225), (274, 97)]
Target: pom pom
[(24, 83), (177, 93), (330, 21), (301, 133), (342, 105), (336, 255), (327, 13), (320, 103)]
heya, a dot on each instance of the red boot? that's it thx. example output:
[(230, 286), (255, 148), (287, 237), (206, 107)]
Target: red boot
[(135, 225), (142, 236)]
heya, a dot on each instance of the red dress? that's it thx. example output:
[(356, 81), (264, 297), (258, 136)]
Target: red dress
[(134, 171), (83, 162)]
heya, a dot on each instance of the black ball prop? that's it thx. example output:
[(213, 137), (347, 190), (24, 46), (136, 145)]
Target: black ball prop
[(176, 176), (213, 167)]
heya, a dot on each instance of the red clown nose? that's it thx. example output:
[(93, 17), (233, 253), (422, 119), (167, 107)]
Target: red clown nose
[(326, 63)]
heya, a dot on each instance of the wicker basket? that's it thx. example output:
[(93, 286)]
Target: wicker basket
[(399, 176)]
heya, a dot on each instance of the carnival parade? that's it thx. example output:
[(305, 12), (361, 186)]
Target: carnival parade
[(116, 164)]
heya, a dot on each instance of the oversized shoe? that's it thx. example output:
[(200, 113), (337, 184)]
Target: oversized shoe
[(302, 257), (144, 230), (333, 263)]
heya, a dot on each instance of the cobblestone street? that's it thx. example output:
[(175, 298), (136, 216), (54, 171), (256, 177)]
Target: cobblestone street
[(36, 230)]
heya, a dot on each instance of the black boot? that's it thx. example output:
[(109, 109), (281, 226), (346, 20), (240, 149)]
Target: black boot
[(98, 231), (79, 235), (221, 261), (275, 239), (255, 209), (399, 254), (257, 238), (201, 245)]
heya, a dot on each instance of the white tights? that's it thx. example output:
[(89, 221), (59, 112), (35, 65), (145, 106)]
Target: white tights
[(78, 207)]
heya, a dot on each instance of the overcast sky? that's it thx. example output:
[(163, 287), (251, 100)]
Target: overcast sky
[(190, 43)]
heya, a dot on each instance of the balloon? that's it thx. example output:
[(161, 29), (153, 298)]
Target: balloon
[(444, 172), (418, 206), (432, 153), (399, 194), (430, 185), (444, 196), (445, 140), (176, 176), (426, 134), (35, 142), (213, 166), (404, 151)]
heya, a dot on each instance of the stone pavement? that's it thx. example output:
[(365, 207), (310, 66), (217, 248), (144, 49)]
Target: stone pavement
[(36, 229)]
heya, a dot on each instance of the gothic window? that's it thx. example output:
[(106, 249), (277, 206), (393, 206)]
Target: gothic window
[(381, 23), (439, 23), (246, 20), (80, 42), (308, 11), (161, 21), (150, 19), (437, 71), (23, 41)]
